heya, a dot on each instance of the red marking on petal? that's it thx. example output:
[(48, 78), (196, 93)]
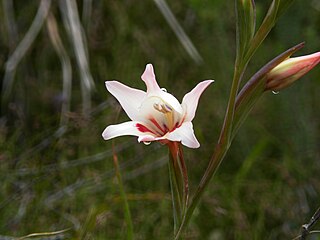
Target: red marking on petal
[(143, 128), (157, 125), (166, 129), (177, 125)]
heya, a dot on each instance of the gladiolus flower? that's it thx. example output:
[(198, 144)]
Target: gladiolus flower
[(155, 115), (290, 70)]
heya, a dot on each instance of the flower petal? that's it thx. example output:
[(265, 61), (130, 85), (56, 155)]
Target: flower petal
[(129, 98), (185, 134), (126, 128), (153, 89), (146, 138), (149, 78), (290, 70), (190, 100), (171, 101)]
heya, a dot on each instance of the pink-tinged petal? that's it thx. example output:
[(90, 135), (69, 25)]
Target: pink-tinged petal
[(149, 78), (129, 98), (290, 70), (185, 134), (146, 138), (190, 100), (122, 129)]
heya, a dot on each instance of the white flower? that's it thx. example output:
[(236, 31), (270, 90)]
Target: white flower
[(155, 115)]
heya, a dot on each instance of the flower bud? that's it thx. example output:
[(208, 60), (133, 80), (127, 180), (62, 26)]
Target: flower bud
[(290, 70)]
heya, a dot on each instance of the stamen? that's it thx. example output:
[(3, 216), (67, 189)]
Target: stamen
[(167, 107), (163, 108), (157, 107)]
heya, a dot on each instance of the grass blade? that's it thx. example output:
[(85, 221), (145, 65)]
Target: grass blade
[(20, 51), (178, 30), (66, 67), (73, 26)]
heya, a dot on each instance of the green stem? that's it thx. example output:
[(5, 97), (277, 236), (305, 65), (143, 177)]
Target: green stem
[(228, 131), (214, 163), (221, 147), (178, 183), (227, 124), (175, 196), (244, 101)]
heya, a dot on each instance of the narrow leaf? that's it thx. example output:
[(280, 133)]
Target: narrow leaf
[(284, 5), (245, 10), (276, 9), (43, 234), (266, 26)]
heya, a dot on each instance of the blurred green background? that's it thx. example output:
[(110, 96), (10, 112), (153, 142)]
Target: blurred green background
[(57, 172)]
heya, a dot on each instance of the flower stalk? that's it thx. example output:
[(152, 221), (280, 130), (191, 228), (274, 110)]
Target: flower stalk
[(240, 104), (279, 73), (178, 182)]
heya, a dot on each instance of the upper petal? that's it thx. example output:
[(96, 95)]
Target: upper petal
[(170, 100), (185, 134), (129, 98), (153, 89), (149, 78), (122, 129), (190, 100)]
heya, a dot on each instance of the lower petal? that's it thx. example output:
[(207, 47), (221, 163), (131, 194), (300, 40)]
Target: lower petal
[(122, 129), (185, 135), (147, 138)]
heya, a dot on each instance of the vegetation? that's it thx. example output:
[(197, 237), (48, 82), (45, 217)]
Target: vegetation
[(58, 173)]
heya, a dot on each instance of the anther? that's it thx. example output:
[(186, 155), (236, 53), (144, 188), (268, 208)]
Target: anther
[(163, 108)]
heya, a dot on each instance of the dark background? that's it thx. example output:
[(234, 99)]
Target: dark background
[(56, 175)]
